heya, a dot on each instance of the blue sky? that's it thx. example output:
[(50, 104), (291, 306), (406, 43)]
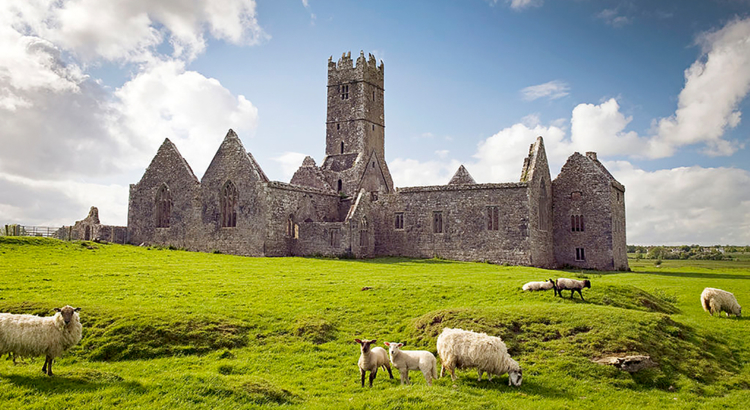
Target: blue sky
[(658, 89)]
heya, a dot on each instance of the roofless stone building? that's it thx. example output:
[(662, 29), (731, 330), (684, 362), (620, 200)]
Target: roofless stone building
[(349, 206)]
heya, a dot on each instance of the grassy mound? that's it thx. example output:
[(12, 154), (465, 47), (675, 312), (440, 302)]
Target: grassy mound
[(314, 329), (130, 337), (564, 332)]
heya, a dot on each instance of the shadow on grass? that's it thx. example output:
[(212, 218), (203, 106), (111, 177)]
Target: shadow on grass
[(699, 275), (529, 387), (74, 382)]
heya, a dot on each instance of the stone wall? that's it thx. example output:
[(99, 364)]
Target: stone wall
[(582, 189), (464, 213)]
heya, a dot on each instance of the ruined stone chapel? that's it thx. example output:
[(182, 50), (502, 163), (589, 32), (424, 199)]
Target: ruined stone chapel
[(348, 205)]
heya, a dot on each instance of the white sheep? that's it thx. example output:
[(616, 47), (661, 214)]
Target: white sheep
[(371, 359), (717, 301), (29, 335), (464, 349), (572, 285), (405, 360), (544, 285)]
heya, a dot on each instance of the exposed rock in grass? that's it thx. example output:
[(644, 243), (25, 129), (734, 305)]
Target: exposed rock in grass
[(630, 364)]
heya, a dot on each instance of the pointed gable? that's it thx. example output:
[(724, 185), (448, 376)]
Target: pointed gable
[(168, 164), (462, 177), (374, 176), (231, 158), (310, 175), (536, 162)]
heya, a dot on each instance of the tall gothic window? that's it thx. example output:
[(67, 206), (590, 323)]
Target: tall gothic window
[(437, 222), (228, 205), (290, 226), (399, 221), (163, 206)]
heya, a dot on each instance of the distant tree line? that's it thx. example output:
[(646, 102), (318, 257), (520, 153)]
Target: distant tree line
[(716, 252)]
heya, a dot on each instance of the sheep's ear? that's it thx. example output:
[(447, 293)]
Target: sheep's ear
[(374, 341), (77, 309), (400, 345), (56, 309), (387, 344), (358, 341)]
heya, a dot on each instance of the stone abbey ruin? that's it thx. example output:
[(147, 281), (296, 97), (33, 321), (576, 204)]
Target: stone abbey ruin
[(348, 205)]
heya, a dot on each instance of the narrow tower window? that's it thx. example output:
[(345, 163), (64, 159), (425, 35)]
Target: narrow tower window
[(493, 218), (363, 232), (342, 147), (340, 185), (576, 223), (228, 205), (163, 207), (345, 92)]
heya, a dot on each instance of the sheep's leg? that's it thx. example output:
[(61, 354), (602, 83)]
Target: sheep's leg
[(404, 373), (362, 375), (579, 292), (442, 370), (479, 379), (489, 376), (453, 373), (388, 367), (373, 373), (427, 376), (47, 368)]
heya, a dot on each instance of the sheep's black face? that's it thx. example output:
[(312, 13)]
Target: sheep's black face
[(67, 313)]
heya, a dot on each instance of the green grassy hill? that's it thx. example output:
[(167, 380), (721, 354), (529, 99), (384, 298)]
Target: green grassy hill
[(175, 329)]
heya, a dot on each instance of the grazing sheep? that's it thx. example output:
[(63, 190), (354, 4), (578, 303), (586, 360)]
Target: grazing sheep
[(717, 301), (545, 285), (572, 285), (371, 359), (405, 360), (29, 335), (466, 349)]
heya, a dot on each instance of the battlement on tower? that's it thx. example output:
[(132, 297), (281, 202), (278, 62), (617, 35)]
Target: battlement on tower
[(365, 69)]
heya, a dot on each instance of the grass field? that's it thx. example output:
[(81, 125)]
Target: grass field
[(169, 329)]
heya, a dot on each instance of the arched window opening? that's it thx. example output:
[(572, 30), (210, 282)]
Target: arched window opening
[(543, 208), (290, 226), (363, 237), (229, 205), (163, 206)]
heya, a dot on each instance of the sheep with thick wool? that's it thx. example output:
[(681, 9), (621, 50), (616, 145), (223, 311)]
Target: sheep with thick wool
[(405, 360), (464, 349), (542, 285), (51, 336), (371, 359), (572, 285), (717, 301)]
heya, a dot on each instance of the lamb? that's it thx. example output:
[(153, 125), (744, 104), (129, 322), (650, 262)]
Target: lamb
[(717, 301), (372, 359), (28, 335), (405, 360), (463, 349), (544, 285), (572, 285)]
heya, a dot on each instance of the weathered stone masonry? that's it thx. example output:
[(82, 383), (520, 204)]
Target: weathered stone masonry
[(349, 206)]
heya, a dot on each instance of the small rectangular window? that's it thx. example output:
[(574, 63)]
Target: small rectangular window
[(399, 221), (493, 218), (580, 255), (575, 195), (437, 222)]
